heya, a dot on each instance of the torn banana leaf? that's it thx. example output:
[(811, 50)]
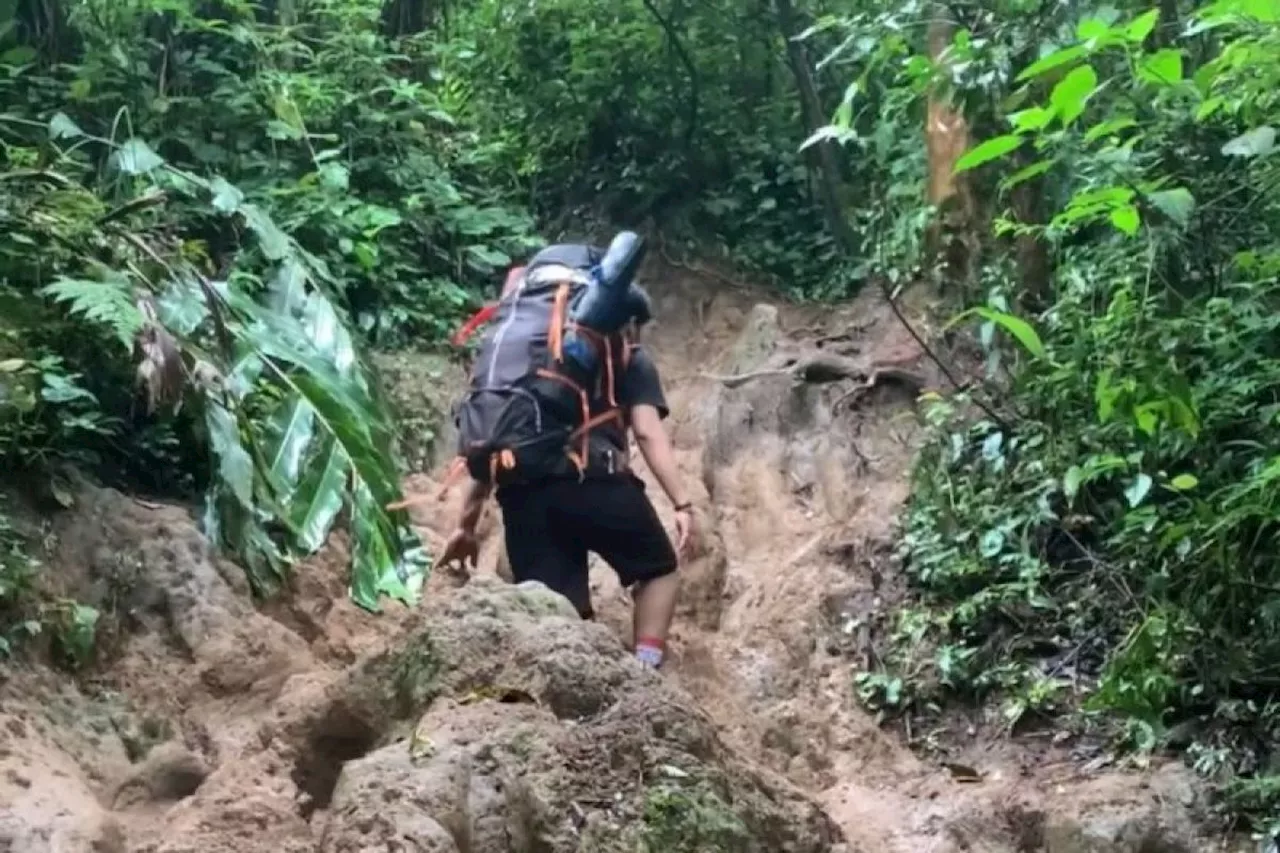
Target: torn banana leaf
[(326, 444)]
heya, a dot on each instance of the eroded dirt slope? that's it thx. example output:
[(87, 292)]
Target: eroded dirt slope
[(490, 720)]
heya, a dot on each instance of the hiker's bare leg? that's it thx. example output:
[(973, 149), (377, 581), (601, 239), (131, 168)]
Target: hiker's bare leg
[(655, 602)]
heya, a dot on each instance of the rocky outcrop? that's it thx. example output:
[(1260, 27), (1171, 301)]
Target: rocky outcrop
[(531, 730)]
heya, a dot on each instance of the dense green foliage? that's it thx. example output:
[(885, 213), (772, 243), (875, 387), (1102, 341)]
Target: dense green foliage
[(1105, 537)]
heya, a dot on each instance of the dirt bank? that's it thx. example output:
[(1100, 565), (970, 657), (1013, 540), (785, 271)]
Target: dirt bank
[(490, 720)]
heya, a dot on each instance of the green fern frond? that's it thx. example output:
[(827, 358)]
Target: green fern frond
[(107, 303)]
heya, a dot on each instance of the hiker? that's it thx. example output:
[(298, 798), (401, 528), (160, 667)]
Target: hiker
[(552, 440)]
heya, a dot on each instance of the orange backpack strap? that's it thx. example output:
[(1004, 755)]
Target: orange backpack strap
[(555, 333)]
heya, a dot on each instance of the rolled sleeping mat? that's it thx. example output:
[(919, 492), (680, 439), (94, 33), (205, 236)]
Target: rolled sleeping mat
[(622, 259)]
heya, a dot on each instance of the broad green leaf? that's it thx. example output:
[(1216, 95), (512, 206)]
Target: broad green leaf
[(226, 198), (1026, 173), (1164, 67), (990, 150), (135, 157), (335, 176), (1138, 490), (288, 293), (1177, 204), (59, 388), (1126, 219), (1092, 28), (1142, 26), (1184, 482), (1057, 59), (1016, 326), (1256, 143), (1109, 128), (20, 55), (291, 430), (1071, 482), (235, 466), (273, 241), (488, 258), (1072, 92), (1209, 107), (62, 127), (330, 337), (1266, 11), (375, 571), (181, 307), (320, 496), (1036, 118)]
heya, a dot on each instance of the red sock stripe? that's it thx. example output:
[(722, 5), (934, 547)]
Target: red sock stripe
[(651, 642)]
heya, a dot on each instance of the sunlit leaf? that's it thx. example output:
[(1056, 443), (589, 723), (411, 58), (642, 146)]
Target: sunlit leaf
[(1092, 28), (226, 198), (274, 242), (1026, 173), (1057, 59), (1138, 490), (1164, 67), (62, 127), (1177, 204), (1072, 93), (291, 430), (1142, 26), (1126, 219), (1184, 482), (992, 149), (135, 157), (320, 496), (1036, 118), (1020, 329), (1109, 127), (1255, 143), (235, 465)]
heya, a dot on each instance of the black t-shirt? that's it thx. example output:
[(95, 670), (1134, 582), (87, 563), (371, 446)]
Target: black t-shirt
[(640, 385)]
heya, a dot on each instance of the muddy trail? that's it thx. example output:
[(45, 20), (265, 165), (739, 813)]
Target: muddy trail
[(490, 720)]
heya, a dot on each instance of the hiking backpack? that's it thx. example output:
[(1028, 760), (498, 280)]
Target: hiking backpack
[(529, 411)]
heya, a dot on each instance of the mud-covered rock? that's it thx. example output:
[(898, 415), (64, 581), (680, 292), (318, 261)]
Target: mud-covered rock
[(148, 567), (537, 730), (46, 804)]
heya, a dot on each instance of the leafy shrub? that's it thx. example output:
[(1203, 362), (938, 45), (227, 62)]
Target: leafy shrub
[(1106, 540)]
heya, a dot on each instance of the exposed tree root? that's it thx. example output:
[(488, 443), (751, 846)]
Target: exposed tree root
[(823, 367)]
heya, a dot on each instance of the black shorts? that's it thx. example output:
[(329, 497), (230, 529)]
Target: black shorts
[(552, 525)]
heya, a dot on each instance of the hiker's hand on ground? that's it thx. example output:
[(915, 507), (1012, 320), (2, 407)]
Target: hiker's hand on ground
[(686, 533), (462, 548)]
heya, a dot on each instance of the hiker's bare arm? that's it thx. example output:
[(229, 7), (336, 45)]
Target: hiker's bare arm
[(473, 505), (655, 447)]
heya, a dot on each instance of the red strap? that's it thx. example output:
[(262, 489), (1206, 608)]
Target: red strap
[(485, 314), (477, 320)]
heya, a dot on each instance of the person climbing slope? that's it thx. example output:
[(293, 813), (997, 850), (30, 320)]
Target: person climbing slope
[(559, 381)]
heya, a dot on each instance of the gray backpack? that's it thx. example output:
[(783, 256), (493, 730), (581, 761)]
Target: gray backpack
[(529, 411)]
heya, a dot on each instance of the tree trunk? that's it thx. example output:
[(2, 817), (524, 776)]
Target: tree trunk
[(822, 157), (946, 134)]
